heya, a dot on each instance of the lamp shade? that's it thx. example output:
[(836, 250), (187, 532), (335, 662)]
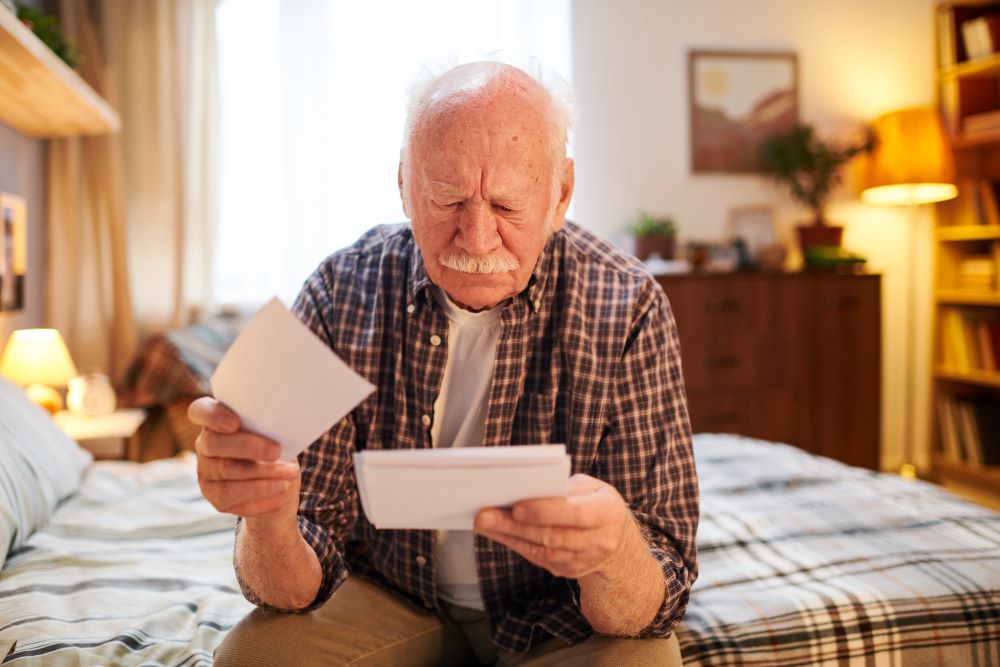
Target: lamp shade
[(37, 356), (912, 161)]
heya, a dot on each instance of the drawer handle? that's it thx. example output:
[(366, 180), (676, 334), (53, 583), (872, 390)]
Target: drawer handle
[(724, 361), (842, 302), (717, 305)]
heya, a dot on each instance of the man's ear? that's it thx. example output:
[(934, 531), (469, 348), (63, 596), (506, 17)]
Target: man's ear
[(402, 190), (566, 184)]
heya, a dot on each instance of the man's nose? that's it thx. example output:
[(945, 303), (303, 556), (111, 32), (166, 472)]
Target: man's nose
[(478, 232)]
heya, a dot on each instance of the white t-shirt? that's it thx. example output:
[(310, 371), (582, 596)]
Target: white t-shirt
[(459, 420)]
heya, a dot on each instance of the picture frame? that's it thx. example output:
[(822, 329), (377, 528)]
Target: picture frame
[(755, 225), (13, 251), (736, 100)]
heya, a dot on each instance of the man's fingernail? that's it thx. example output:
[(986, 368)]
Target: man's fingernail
[(487, 520)]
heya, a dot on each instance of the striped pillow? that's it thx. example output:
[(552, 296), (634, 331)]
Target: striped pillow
[(39, 466)]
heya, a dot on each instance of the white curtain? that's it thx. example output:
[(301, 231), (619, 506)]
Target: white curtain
[(311, 110)]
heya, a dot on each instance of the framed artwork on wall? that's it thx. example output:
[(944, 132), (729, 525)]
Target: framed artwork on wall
[(13, 251), (737, 99)]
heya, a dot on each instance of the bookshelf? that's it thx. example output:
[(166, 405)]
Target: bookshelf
[(965, 415)]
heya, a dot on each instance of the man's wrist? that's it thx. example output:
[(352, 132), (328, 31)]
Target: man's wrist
[(630, 556), (272, 528)]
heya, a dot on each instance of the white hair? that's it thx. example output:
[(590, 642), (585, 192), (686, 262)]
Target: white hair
[(479, 264), (556, 91)]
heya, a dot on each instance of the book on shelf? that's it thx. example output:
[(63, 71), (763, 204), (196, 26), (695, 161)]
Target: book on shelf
[(989, 202), (970, 429), (948, 422), (976, 123), (970, 341), (980, 36), (977, 273)]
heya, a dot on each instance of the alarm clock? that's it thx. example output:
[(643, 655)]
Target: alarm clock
[(90, 395)]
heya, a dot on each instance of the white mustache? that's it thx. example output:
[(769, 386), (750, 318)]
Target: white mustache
[(479, 264)]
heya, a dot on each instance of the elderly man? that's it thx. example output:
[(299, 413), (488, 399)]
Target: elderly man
[(492, 321)]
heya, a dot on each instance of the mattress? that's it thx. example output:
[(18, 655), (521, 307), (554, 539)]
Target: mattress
[(134, 568), (807, 561), (803, 561)]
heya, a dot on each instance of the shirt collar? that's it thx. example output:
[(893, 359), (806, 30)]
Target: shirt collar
[(420, 282)]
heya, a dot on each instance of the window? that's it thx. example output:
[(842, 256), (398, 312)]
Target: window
[(311, 111)]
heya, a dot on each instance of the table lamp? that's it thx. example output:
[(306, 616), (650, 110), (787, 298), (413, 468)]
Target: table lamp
[(38, 360), (912, 164)]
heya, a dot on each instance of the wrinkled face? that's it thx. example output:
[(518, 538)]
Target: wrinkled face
[(483, 195)]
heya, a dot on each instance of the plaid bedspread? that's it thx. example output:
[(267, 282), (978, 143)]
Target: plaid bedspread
[(134, 569), (806, 561)]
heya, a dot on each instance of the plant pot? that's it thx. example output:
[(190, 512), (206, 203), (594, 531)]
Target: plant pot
[(646, 246), (813, 234)]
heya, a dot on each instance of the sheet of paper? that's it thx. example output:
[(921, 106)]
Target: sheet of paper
[(446, 488), (284, 382)]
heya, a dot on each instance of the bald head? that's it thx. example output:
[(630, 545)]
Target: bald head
[(482, 85)]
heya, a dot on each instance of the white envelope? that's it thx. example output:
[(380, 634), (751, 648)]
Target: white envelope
[(284, 382), (446, 488)]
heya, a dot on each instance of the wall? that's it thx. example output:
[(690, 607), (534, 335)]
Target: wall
[(22, 172), (857, 59)]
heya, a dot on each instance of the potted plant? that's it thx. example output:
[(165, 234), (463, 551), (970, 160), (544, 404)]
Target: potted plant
[(654, 235), (811, 168)]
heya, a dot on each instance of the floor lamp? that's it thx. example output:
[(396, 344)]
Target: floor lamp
[(911, 165)]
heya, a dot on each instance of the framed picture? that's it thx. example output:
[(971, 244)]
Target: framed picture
[(736, 100), (753, 224), (13, 251)]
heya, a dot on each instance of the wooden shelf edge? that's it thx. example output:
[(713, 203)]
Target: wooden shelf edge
[(967, 232), (966, 472), (40, 95), (967, 298), (984, 66), (976, 377)]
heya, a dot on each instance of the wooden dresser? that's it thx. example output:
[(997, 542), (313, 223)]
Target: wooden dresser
[(794, 358)]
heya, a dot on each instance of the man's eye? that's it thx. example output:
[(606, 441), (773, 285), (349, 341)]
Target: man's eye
[(502, 208)]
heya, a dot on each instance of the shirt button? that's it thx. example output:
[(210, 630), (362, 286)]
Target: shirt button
[(537, 304), (435, 340), (425, 420), (421, 561), (411, 308)]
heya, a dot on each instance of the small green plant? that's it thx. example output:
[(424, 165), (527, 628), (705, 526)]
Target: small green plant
[(650, 225), (809, 166), (46, 28)]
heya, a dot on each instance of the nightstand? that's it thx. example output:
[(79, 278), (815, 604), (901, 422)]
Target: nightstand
[(107, 436)]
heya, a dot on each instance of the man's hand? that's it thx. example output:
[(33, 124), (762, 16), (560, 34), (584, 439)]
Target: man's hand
[(239, 473), (237, 470), (591, 536), (588, 532)]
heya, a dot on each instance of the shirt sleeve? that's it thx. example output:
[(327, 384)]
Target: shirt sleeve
[(647, 454), (328, 500)]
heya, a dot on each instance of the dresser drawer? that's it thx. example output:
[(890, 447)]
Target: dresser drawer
[(770, 414)]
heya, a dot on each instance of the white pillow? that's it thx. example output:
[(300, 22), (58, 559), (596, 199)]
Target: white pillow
[(39, 466)]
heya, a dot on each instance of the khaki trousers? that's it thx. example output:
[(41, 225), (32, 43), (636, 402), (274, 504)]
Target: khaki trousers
[(366, 625)]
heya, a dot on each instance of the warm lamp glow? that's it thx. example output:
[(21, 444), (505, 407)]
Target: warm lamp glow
[(912, 162), (38, 359)]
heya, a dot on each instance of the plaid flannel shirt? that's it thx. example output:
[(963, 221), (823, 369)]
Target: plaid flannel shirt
[(588, 356)]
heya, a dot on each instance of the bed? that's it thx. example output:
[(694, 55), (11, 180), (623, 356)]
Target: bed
[(803, 560)]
